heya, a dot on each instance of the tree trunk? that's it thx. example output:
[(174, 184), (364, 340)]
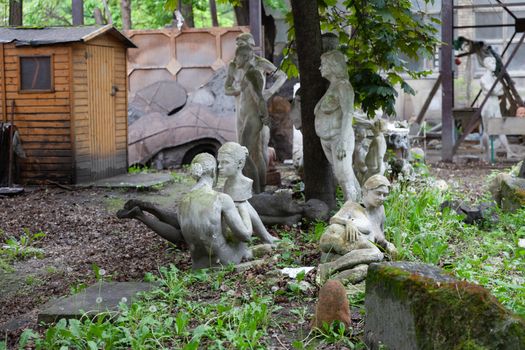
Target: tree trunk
[(77, 9), (186, 9), (318, 179), (125, 10), (107, 12), (99, 18), (15, 13), (242, 13), (213, 13)]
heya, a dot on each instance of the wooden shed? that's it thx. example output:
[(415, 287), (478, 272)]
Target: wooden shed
[(65, 88)]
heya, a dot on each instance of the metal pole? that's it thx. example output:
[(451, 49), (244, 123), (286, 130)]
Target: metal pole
[(447, 85), (77, 7), (255, 25)]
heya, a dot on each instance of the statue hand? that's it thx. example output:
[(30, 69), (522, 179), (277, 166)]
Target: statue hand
[(351, 231)]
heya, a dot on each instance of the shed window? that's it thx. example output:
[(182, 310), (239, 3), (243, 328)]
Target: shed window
[(35, 73)]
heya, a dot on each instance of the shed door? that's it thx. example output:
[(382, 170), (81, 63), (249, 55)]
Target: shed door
[(101, 108)]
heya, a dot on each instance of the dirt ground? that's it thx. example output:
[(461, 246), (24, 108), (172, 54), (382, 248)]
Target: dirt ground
[(81, 230)]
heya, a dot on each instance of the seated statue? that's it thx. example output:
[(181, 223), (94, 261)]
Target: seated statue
[(232, 158), (210, 223), (355, 233)]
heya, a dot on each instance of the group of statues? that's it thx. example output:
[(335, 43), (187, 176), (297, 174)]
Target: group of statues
[(215, 226), (218, 226)]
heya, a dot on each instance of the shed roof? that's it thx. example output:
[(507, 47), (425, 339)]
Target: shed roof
[(59, 35)]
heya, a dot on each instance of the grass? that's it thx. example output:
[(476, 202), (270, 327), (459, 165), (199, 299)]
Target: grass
[(487, 253), (19, 248), (227, 310)]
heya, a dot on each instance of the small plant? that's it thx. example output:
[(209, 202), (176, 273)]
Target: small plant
[(22, 247), (138, 169)]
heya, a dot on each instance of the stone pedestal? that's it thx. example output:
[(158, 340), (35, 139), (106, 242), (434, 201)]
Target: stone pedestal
[(414, 306)]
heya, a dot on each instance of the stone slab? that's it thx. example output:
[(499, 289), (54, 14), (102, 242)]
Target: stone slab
[(108, 295), (137, 181), (413, 306)]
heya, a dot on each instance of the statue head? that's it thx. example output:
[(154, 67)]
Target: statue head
[(204, 164), (375, 190), (334, 63), (245, 39), (243, 55), (232, 157), (490, 63)]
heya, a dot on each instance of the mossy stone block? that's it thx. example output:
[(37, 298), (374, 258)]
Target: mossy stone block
[(416, 306)]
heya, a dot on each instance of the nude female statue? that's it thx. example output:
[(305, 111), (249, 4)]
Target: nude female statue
[(253, 115), (232, 158), (355, 229), (333, 122), (491, 109), (232, 86)]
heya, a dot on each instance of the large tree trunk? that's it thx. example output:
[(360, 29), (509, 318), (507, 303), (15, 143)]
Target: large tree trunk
[(125, 10), (186, 9), (213, 13), (242, 13), (77, 9), (15, 13), (318, 179)]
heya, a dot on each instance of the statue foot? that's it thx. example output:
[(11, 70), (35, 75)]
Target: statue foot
[(128, 214), (132, 203)]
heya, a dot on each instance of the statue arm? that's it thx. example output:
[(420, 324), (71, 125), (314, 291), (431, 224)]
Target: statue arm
[(234, 220), (346, 99), (255, 88), (229, 88)]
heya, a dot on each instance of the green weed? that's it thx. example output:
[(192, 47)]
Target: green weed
[(20, 248)]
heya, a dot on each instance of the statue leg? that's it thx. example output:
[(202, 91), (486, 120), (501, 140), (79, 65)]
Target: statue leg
[(505, 143), (344, 173), (163, 229), (351, 259), (167, 216)]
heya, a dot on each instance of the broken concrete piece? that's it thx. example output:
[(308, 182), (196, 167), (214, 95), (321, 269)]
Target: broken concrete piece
[(165, 97), (508, 192), (413, 306), (332, 305), (100, 297)]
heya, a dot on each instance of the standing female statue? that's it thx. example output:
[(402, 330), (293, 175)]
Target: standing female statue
[(491, 109), (333, 122)]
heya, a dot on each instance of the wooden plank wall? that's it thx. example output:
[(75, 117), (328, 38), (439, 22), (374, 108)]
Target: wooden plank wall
[(43, 118), (95, 157)]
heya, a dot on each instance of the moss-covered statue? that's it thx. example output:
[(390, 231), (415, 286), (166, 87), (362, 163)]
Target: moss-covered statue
[(210, 222), (355, 233), (333, 122)]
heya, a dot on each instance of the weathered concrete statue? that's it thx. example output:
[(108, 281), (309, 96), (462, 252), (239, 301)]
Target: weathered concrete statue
[(491, 109), (235, 85), (210, 222), (333, 122), (369, 151), (232, 158), (349, 244)]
